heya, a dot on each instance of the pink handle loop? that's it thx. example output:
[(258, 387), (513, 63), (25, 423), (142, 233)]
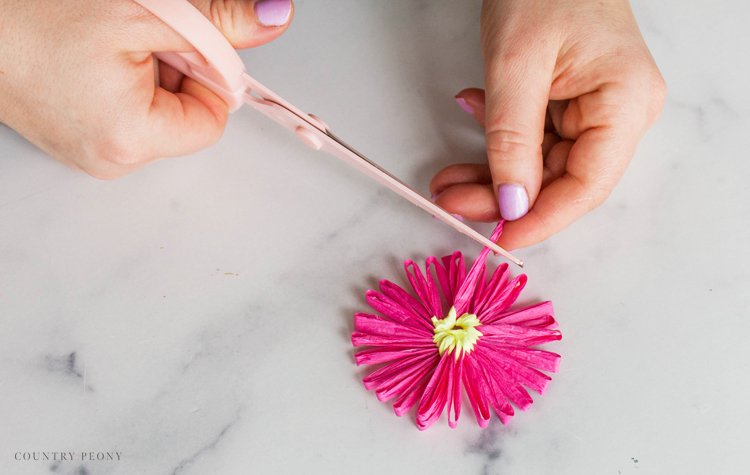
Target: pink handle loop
[(216, 63)]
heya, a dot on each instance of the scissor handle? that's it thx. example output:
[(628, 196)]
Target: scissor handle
[(215, 63)]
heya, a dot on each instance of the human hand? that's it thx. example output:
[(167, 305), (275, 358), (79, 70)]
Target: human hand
[(77, 79), (571, 89)]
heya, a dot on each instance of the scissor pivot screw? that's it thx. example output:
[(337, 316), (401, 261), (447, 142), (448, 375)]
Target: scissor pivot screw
[(309, 138)]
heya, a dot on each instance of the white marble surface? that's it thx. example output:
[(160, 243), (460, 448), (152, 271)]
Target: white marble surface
[(195, 316)]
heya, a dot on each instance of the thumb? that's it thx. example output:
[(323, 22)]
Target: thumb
[(248, 23), (517, 93)]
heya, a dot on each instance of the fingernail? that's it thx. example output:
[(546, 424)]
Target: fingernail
[(273, 12), (513, 201), (464, 105)]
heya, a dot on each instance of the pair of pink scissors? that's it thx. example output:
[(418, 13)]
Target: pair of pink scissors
[(216, 64)]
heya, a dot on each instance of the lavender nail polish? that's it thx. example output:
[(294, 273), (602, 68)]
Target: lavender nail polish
[(464, 105), (273, 12), (513, 201)]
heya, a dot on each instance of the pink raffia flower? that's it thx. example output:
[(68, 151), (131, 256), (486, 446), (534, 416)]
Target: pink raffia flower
[(428, 354)]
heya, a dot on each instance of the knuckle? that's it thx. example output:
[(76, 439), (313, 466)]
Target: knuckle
[(227, 15), (101, 170), (590, 195), (659, 85), (215, 133), (104, 175), (638, 98), (658, 92), (115, 148), (510, 58), (650, 102), (648, 88), (591, 201), (117, 156), (505, 143), (597, 195)]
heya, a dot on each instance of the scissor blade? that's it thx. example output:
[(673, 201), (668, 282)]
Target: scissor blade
[(289, 116), (402, 189)]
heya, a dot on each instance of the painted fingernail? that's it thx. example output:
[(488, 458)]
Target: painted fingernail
[(513, 201), (464, 105), (273, 12)]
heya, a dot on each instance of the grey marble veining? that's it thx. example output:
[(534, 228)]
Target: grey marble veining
[(195, 317)]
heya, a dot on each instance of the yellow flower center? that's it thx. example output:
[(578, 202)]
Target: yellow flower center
[(459, 334)]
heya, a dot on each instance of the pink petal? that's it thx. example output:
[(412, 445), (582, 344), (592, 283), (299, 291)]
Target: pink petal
[(454, 405), (375, 325), (406, 300), (539, 316), (410, 381), (492, 392), (425, 288), (407, 378), (365, 339), (410, 397), (489, 292), (504, 299), (477, 390), (456, 270), (478, 290), (499, 400), (384, 354), (495, 235), (540, 359), (501, 334), (450, 274), (395, 371), (442, 276), (396, 311), (435, 395), (520, 373), (506, 383), (434, 289), (465, 293)]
